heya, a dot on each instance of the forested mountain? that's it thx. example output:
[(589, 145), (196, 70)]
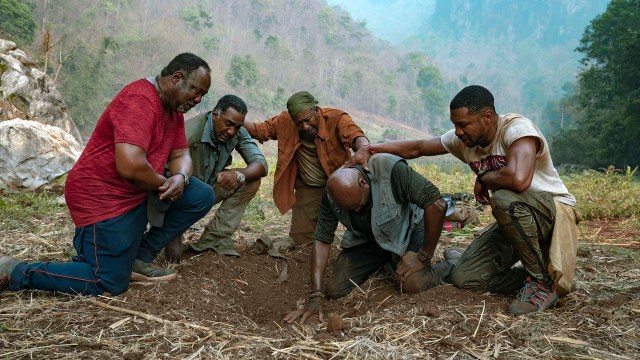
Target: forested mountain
[(261, 50), (522, 50)]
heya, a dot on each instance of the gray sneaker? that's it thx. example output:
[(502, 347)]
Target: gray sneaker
[(7, 264), (453, 254), (143, 271)]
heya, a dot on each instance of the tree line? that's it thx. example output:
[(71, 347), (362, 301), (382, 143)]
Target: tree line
[(261, 50), (265, 50)]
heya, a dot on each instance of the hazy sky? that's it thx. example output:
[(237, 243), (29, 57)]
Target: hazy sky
[(391, 20)]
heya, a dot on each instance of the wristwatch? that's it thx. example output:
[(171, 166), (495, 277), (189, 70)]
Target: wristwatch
[(240, 177), (424, 257), (186, 178)]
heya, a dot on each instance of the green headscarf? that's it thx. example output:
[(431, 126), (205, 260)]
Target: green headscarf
[(300, 102)]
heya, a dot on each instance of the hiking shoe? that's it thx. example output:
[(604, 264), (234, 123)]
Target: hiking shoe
[(453, 254), (143, 271), (534, 296), (7, 264)]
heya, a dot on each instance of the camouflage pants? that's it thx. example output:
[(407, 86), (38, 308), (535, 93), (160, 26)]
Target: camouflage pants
[(522, 231)]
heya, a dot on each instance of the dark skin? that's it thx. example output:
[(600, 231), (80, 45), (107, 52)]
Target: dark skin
[(351, 192), (226, 125), (475, 129), (177, 93)]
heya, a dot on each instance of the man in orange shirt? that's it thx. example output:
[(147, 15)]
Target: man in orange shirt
[(313, 142)]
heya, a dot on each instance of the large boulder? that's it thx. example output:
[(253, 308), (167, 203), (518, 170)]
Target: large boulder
[(26, 90), (34, 155)]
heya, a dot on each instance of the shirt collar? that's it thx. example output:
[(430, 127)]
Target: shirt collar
[(322, 126)]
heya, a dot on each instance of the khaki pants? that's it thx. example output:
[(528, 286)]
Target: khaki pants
[(304, 214), (227, 218), (522, 231)]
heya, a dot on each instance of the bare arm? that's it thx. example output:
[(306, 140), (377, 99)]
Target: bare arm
[(359, 142), (319, 260), (517, 174), (406, 149), (132, 165), (180, 162), (411, 149), (433, 221)]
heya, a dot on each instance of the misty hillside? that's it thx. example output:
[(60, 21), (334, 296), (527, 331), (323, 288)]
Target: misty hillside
[(263, 51), (522, 50)]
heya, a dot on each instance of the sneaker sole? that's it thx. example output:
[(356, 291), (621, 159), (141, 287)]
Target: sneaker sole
[(139, 277)]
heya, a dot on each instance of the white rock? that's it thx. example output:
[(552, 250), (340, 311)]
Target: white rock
[(33, 155), (6, 45), (31, 91)]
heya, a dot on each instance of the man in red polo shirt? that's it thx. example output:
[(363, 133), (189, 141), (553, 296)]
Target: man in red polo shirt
[(122, 166)]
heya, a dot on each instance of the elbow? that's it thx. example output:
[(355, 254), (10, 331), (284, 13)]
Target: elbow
[(126, 172), (521, 185), (437, 209)]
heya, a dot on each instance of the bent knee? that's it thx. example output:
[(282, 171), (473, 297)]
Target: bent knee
[(114, 287), (466, 281), (502, 199), (336, 291)]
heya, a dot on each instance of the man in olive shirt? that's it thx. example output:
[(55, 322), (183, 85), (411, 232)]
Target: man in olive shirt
[(212, 136), (392, 215)]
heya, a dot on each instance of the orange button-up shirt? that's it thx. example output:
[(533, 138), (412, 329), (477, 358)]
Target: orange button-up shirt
[(336, 134)]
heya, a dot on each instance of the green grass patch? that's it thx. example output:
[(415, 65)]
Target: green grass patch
[(612, 193), (27, 210)]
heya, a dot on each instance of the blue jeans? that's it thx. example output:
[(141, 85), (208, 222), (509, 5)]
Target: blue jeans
[(107, 250)]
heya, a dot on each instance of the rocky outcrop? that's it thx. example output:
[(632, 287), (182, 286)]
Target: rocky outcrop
[(26, 90), (39, 142), (34, 155)]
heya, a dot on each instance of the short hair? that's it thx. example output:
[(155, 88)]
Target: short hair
[(185, 63), (474, 97), (233, 101)]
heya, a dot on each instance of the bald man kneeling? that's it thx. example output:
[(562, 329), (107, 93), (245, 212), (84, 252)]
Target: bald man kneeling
[(392, 215)]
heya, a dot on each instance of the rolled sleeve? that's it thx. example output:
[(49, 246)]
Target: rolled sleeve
[(266, 130), (249, 150), (327, 221), (348, 130)]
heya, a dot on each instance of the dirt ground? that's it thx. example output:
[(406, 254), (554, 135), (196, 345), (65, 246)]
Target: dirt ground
[(230, 308)]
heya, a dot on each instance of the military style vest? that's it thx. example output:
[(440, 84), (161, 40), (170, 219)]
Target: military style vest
[(392, 224)]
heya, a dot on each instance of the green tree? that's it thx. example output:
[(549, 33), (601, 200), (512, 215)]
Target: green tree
[(431, 86), (608, 91), (17, 22), (242, 71), (197, 18)]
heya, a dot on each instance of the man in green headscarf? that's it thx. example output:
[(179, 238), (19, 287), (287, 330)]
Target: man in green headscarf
[(313, 142)]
